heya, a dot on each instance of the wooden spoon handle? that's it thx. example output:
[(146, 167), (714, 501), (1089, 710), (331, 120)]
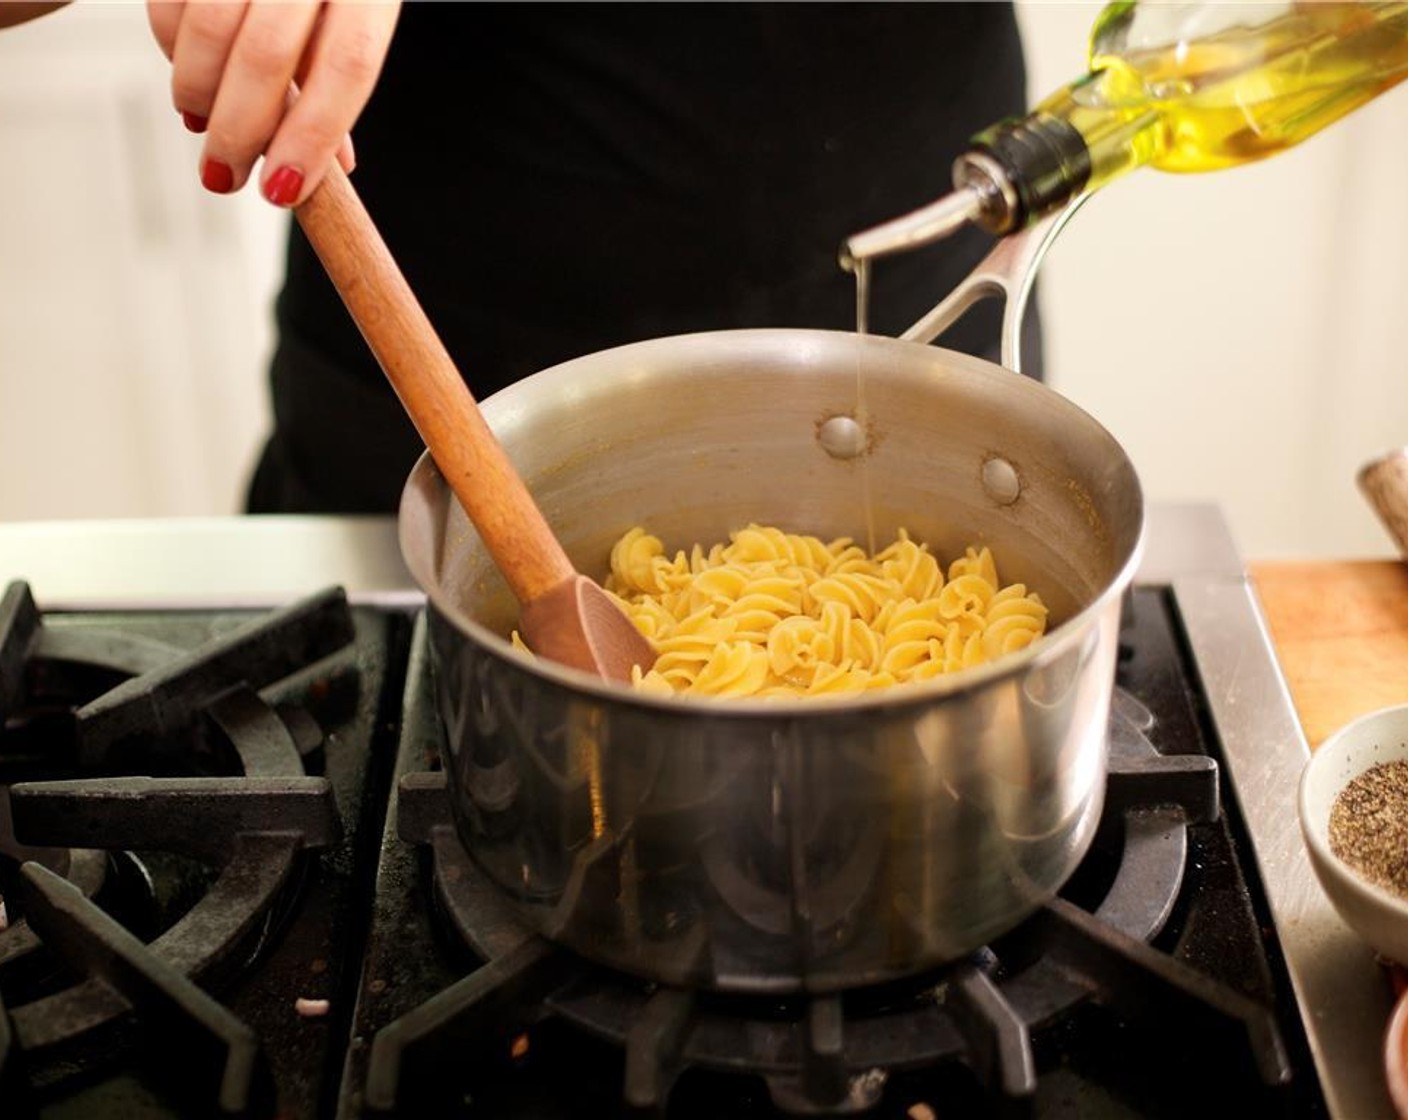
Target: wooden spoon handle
[(431, 389)]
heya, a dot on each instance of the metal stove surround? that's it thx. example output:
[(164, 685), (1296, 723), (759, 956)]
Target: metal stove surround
[(1340, 987)]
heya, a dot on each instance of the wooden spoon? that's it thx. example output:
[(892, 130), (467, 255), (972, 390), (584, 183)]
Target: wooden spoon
[(564, 616)]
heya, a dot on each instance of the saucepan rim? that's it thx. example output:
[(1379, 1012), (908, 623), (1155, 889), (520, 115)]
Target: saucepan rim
[(425, 477)]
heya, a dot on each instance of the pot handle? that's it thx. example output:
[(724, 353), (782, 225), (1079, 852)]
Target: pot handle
[(1007, 272)]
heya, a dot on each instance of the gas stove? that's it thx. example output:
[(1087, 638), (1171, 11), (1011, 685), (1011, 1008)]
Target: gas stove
[(232, 885)]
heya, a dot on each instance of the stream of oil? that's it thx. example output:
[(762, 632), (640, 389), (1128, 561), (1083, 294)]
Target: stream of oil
[(862, 412)]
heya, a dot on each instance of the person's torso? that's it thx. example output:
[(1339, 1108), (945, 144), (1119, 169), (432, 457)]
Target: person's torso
[(559, 179)]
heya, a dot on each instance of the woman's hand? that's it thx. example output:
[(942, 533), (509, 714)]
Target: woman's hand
[(284, 79)]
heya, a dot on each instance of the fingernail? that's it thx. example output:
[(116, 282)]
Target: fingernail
[(283, 186), (195, 123), (217, 176)]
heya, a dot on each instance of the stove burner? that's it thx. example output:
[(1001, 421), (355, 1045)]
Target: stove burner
[(834, 1053), (360, 964), (231, 794)]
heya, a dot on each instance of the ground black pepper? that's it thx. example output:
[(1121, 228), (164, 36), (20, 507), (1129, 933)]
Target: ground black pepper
[(1369, 825)]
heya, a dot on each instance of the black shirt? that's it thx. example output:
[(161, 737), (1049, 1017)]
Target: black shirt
[(559, 179)]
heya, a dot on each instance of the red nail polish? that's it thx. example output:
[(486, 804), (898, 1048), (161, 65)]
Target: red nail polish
[(283, 186), (217, 176), (195, 123)]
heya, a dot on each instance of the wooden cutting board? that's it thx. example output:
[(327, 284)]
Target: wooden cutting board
[(1340, 630)]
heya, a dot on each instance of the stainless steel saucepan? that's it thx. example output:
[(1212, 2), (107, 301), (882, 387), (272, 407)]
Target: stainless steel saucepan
[(786, 845)]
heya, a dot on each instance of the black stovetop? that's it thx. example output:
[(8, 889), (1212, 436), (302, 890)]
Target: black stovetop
[(276, 918)]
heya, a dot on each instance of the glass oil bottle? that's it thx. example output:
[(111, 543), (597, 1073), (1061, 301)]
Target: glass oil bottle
[(1181, 87)]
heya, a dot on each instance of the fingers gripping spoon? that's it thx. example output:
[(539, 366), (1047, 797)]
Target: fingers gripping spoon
[(564, 616)]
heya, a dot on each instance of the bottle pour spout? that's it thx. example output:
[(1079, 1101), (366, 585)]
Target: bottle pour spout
[(929, 223), (1015, 173)]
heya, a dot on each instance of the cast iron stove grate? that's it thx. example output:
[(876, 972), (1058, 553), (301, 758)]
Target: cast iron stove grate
[(1139, 939), (160, 793)]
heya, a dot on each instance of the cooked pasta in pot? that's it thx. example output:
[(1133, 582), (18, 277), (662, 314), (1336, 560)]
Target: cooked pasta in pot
[(773, 613)]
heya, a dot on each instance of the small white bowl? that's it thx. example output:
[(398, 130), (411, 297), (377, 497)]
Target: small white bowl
[(1376, 914)]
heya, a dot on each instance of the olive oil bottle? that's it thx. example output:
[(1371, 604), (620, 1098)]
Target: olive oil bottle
[(1175, 86)]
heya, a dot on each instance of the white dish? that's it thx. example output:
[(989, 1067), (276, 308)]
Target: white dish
[(1375, 913)]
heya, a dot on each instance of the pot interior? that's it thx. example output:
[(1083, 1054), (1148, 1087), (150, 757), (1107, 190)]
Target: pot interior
[(695, 436)]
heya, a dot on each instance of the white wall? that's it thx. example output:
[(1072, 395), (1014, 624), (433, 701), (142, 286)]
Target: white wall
[(1241, 333), (134, 306)]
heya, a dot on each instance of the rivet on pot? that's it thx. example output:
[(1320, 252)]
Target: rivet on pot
[(1001, 481), (842, 437)]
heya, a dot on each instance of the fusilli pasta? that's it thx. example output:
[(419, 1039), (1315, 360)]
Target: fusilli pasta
[(773, 613)]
